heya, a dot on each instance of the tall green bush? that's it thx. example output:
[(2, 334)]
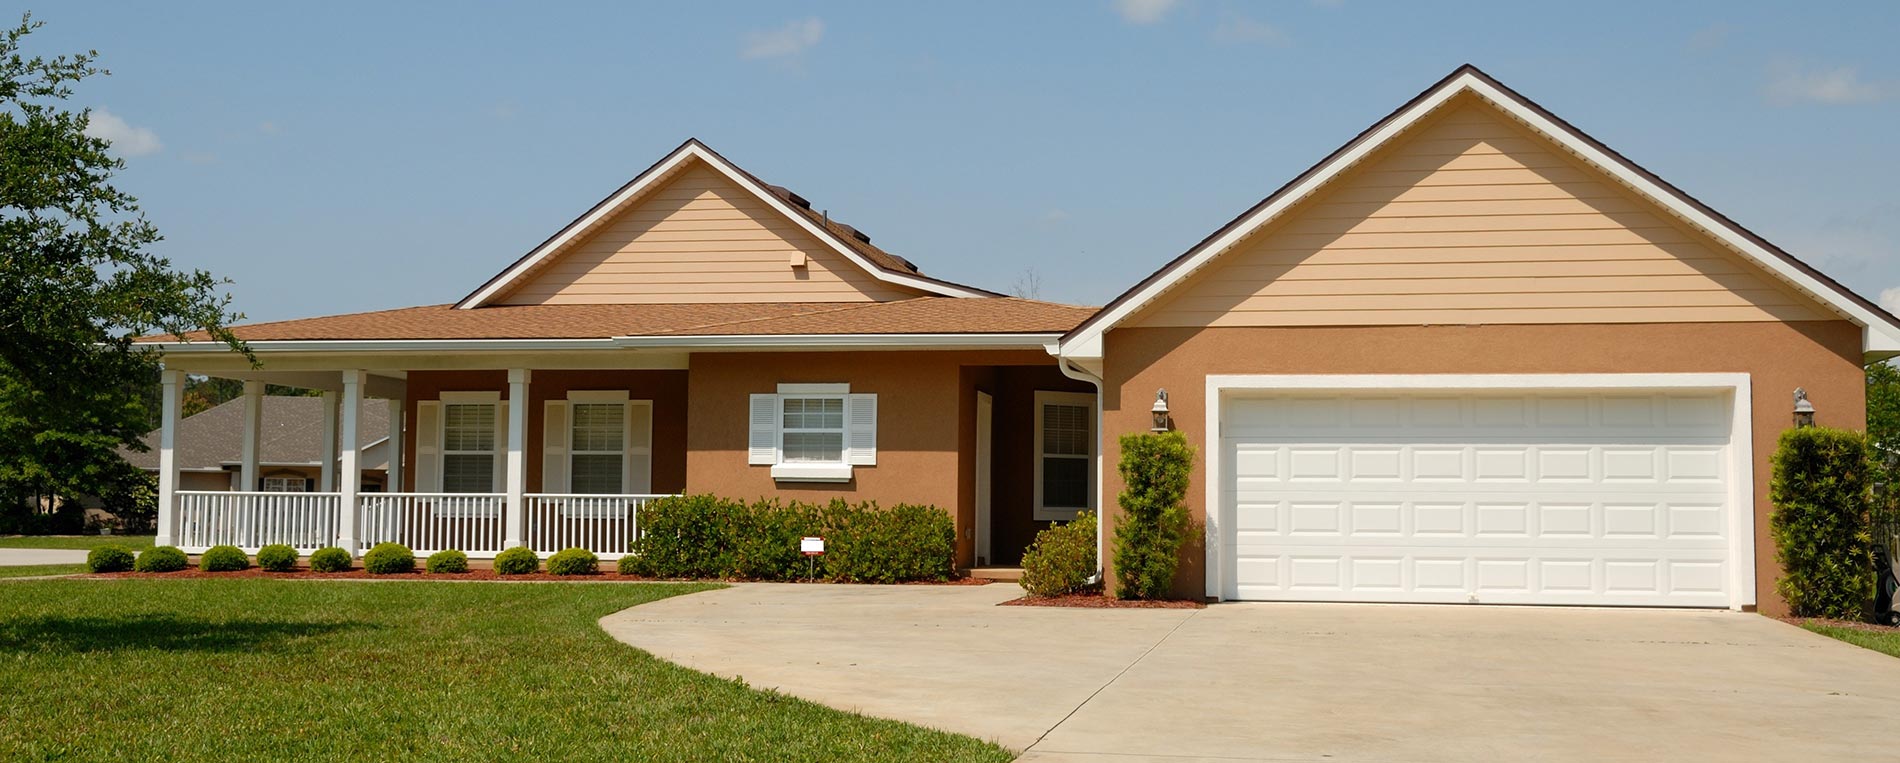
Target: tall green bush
[(1061, 559), (905, 542), (1154, 521), (1821, 490), (705, 536)]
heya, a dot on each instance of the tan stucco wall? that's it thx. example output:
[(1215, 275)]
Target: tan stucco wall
[(1823, 357)]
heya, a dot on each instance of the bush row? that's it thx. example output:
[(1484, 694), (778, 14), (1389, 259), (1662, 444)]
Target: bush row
[(383, 559), (705, 536)]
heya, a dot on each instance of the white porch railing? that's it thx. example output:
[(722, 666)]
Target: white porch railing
[(472, 523), (253, 520), (603, 524)]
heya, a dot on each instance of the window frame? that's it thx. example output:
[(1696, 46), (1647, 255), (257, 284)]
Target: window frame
[(1044, 398), (300, 482), (497, 442), (812, 471), (599, 397)]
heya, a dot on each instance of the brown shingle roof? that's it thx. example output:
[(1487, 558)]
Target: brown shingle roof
[(292, 434), (921, 315)]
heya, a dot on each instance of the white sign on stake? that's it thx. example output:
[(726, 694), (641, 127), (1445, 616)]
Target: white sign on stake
[(811, 545)]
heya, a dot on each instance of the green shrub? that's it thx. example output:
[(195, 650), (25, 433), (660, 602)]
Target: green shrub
[(766, 541), (1821, 490), (705, 536), (109, 559), (330, 559), (519, 560), (224, 559), (1062, 558), (389, 559), (447, 562), (629, 565), (161, 559), (865, 544), (277, 558), (573, 561), (1154, 522), (688, 537)]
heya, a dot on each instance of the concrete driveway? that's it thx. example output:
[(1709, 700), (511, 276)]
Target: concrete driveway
[(21, 557), (1335, 682)]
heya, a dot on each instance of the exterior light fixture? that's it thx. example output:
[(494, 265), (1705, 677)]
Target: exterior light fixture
[(1803, 410), (1160, 410)]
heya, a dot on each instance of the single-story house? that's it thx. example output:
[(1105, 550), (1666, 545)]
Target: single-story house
[(1474, 355), (291, 447)]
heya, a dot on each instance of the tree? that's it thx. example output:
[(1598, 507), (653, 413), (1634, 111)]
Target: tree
[(80, 286), (1028, 285), (203, 393)]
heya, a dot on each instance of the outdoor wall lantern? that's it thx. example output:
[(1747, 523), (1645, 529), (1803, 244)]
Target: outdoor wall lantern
[(1160, 410), (1803, 410)]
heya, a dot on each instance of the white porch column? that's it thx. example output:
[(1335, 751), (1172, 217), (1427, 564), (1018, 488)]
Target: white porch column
[(253, 434), (326, 477), (173, 386), (517, 478), (392, 483), (349, 471)]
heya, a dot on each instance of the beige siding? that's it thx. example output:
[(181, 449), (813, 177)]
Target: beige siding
[(1474, 219), (700, 238)]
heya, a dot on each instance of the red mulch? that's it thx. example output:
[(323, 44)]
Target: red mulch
[(605, 576), (1098, 601)]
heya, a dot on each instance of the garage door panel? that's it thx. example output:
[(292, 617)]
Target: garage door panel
[(1572, 497)]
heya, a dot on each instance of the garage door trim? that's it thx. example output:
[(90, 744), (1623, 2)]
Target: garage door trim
[(1741, 448)]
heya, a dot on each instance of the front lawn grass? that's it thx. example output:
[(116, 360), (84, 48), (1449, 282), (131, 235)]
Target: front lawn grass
[(30, 570), (1883, 640), (259, 669), (87, 542)]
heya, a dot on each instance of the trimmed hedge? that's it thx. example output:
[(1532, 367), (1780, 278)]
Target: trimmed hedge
[(389, 559), (704, 536), (277, 558), (161, 559), (447, 562), (1822, 491), (1154, 521), (224, 559), (573, 561), (109, 559), (331, 559), (519, 560), (1062, 558)]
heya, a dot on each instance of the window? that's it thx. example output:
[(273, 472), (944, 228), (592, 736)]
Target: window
[(1065, 454), (468, 447), (283, 484), (812, 430), (597, 458)]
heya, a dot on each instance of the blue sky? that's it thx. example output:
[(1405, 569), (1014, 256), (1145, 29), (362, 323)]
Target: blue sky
[(335, 157)]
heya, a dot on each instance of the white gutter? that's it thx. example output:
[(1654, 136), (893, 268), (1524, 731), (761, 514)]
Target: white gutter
[(841, 341), (386, 345), (1101, 531)]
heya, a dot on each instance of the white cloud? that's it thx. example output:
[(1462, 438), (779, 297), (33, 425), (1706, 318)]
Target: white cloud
[(1144, 11), (126, 140), (1242, 30), (1789, 84), (786, 41), (1890, 299)]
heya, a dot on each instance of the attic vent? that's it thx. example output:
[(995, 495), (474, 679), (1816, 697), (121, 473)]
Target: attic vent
[(786, 194), (855, 233)]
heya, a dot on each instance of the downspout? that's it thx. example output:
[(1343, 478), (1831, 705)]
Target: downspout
[(1101, 537)]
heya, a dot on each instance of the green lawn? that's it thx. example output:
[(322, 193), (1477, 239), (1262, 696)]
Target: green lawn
[(1885, 641), (29, 570), (134, 542), (259, 669)]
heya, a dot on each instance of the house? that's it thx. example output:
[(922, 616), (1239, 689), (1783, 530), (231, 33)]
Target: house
[(209, 449), (1472, 356)]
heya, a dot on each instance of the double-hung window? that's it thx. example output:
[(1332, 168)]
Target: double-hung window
[(811, 429), (1065, 454), (468, 447), (283, 484), (813, 432), (598, 448)]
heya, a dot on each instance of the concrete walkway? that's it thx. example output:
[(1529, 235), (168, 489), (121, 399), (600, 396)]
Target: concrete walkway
[(1293, 681), (21, 557)]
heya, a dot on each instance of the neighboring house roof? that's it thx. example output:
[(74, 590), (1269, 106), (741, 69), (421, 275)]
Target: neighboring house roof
[(1881, 337), (292, 435), (847, 240), (921, 315)]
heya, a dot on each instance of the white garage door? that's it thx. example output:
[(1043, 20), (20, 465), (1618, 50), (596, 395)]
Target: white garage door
[(1617, 498)]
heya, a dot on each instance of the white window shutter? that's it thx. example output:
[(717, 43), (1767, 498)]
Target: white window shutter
[(860, 440), (500, 480), (554, 447), (639, 456), (428, 435), (762, 444)]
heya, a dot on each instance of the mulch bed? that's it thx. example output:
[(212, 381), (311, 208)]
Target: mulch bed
[(605, 576), (1847, 624), (1098, 601)]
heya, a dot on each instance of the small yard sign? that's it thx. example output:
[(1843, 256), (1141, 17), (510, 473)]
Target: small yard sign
[(812, 545)]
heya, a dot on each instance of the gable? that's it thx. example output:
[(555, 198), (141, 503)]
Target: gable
[(699, 237), (1472, 218)]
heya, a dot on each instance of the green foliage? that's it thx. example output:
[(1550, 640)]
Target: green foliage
[(161, 559), (703, 536), (1821, 492), (1154, 522), (277, 558), (389, 559), (224, 559), (628, 565), (573, 561), (447, 562), (331, 559), (1061, 559), (80, 284), (109, 559), (519, 560)]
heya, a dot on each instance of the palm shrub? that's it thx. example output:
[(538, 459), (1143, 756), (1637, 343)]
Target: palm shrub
[(1821, 491), (109, 559), (330, 559), (277, 558), (1061, 559), (224, 559), (519, 560), (573, 561), (447, 562), (389, 559), (1154, 521), (161, 559)]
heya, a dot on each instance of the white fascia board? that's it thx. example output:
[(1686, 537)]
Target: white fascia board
[(664, 170), (843, 341), (386, 345)]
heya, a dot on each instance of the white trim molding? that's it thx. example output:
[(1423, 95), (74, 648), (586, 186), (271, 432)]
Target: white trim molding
[(1741, 451), (845, 341)]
